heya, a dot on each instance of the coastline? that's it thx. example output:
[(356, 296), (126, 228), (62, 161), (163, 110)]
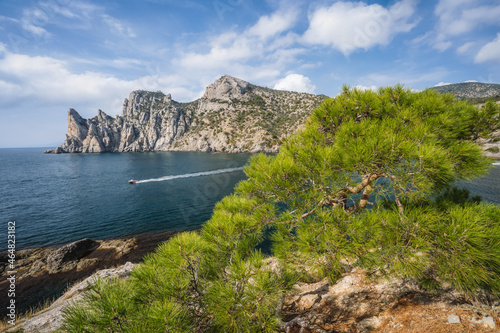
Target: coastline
[(39, 282)]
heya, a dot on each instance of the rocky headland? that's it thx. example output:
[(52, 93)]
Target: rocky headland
[(232, 116)]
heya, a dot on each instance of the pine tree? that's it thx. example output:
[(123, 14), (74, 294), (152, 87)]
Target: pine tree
[(360, 183), (369, 181)]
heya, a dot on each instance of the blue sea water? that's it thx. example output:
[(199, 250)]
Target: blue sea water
[(57, 199)]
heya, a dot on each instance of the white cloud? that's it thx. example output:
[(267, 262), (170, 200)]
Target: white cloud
[(118, 27), (440, 84), (489, 52), (8, 19), (260, 51), (410, 77), (39, 18), (458, 17), (465, 47), (48, 82), (361, 87), (33, 21), (295, 82), (271, 25), (442, 46), (469, 81), (347, 26), (224, 49)]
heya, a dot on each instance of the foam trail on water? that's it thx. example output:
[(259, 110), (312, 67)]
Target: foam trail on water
[(188, 175)]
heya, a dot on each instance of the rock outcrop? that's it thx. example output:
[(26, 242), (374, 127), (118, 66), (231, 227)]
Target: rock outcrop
[(357, 304), (44, 273), (51, 319), (70, 252), (232, 116)]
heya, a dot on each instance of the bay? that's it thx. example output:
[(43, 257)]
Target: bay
[(57, 199)]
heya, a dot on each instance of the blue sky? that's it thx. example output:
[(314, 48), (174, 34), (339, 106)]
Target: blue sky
[(89, 55)]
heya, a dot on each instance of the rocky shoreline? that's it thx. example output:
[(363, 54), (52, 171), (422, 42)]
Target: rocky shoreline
[(43, 274)]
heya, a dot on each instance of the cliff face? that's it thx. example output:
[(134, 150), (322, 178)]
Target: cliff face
[(232, 116)]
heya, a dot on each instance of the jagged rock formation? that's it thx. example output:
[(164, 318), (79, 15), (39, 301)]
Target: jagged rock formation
[(232, 116)]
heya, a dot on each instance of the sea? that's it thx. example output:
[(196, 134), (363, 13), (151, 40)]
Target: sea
[(56, 199)]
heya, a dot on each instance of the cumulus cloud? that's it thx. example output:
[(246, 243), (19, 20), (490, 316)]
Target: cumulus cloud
[(274, 24), (48, 82), (347, 26), (295, 82), (458, 17), (260, 51), (489, 52)]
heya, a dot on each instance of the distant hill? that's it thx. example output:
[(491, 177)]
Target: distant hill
[(476, 92)]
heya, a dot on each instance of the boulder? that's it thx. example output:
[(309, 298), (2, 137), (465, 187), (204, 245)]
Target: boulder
[(70, 252)]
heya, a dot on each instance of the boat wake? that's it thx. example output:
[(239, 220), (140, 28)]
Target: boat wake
[(189, 175)]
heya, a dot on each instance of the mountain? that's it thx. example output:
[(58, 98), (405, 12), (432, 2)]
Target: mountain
[(232, 116), (476, 92)]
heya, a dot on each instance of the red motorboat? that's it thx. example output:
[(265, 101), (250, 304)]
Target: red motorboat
[(132, 181)]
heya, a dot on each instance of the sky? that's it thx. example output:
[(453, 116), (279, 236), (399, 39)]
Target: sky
[(89, 55)]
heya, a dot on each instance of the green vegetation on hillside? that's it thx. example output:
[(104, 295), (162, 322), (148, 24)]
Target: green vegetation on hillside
[(474, 92), (367, 182)]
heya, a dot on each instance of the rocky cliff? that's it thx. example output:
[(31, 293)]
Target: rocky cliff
[(232, 116)]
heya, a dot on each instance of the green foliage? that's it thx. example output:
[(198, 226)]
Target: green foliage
[(208, 281), (246, 299), (367, 182), (391, 151), (255, 100)]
